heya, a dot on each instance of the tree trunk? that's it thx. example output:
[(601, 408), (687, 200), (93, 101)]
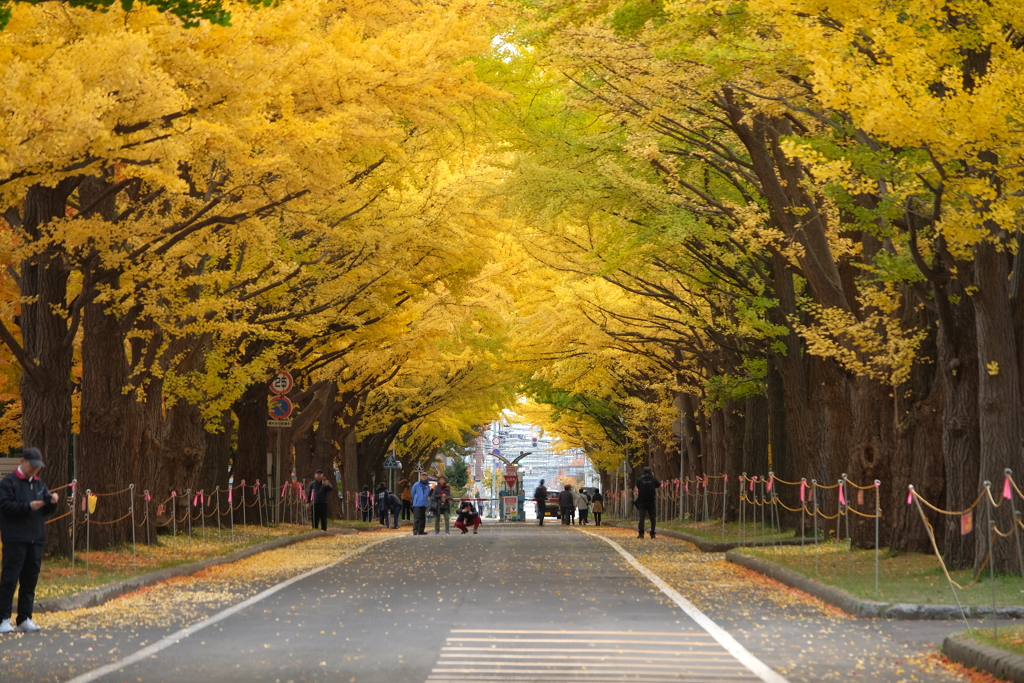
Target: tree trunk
[(999, 400)]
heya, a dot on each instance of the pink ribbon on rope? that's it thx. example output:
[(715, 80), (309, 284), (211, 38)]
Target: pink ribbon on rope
[(910, 496), (284, 489), (770, 480), (803, 485), (842, 495), (1007, 492)]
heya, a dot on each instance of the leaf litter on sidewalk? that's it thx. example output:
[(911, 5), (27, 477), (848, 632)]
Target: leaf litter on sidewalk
[(804, 638)]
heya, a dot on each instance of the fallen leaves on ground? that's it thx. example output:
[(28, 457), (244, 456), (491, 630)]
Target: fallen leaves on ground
[(182, 601)]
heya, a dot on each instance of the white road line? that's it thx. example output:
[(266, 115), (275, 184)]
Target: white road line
[(755, 665), (597, 633), (174, 638)]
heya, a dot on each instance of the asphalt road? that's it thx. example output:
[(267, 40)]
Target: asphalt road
[(513, 603)]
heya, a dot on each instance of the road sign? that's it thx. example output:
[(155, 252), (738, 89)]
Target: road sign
[(392, 463), (510, 469), (511, 508), (279, 423), (510, 480), (496, 441), (282, 383), (280, 408), (496, 451)]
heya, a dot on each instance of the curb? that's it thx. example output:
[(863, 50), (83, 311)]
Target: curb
[(101, 594), (851, 604), (704, 544), (963, 650)]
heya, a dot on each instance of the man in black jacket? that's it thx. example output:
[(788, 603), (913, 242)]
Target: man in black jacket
[(566, 504), (646, 488), (540, 496), (24, 502), (318, 491)]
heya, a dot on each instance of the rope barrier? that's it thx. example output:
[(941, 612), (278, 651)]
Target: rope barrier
[(114, 521)]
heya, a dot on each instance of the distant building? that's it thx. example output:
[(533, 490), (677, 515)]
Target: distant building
[(541, 463)]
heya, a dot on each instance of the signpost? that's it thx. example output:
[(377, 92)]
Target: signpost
[(391, 463), (279, 410)]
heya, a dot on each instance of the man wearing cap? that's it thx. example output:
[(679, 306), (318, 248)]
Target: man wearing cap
[(24, 502), (317, 493)]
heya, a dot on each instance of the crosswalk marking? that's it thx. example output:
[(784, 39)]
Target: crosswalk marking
[(519, 656)]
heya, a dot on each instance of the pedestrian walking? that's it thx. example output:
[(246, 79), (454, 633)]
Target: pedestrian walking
[(566, 504), (646, 490), (540, 496), (468, 517), (405, 493), (24, 503), (597, 506), (420, 501), (582, 502), (441, 504), (383, 504), (365, 503), (317, 493), (396, 508)]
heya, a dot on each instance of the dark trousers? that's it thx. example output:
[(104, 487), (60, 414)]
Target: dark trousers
[(406, 509), (320, 515), (21, 564), (584, 515), (541, 510), (419, 520), (597, 518), (396, 510), (367, 514), (567, 515), (647, 510)]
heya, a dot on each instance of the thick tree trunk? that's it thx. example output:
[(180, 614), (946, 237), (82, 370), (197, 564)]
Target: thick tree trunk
[(253, 443), (999, 399), (109, 418), (956, 366)]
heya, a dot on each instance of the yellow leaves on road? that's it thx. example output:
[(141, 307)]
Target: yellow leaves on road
[(182, 601)]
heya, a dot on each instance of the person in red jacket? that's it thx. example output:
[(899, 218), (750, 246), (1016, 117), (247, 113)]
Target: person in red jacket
[(24, 503)]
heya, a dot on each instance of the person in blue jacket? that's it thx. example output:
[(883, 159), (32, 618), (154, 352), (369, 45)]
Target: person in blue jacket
[(420, 501), (24, 503)]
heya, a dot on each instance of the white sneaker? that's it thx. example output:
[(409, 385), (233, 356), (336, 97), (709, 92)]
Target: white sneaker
[(28, 626), (6, 626)]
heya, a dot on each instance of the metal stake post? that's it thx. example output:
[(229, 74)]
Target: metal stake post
[(74, 502), (814, 512), (1016, 527), (849, 543), (725, 499), (839, 525), (202, 510), (174, 521), (803, 518), (743, 508), (242, 489), (216, 493), (992, 560), (188, 514), (131, 509), (88, 493), (878, 517), (145, 497)]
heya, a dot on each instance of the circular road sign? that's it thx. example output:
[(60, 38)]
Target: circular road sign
[(282, 383), (280, 408), (496, 452), (496, 441)]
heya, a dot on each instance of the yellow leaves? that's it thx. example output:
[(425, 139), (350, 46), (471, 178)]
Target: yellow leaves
[(992, 367), (873, 345)]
